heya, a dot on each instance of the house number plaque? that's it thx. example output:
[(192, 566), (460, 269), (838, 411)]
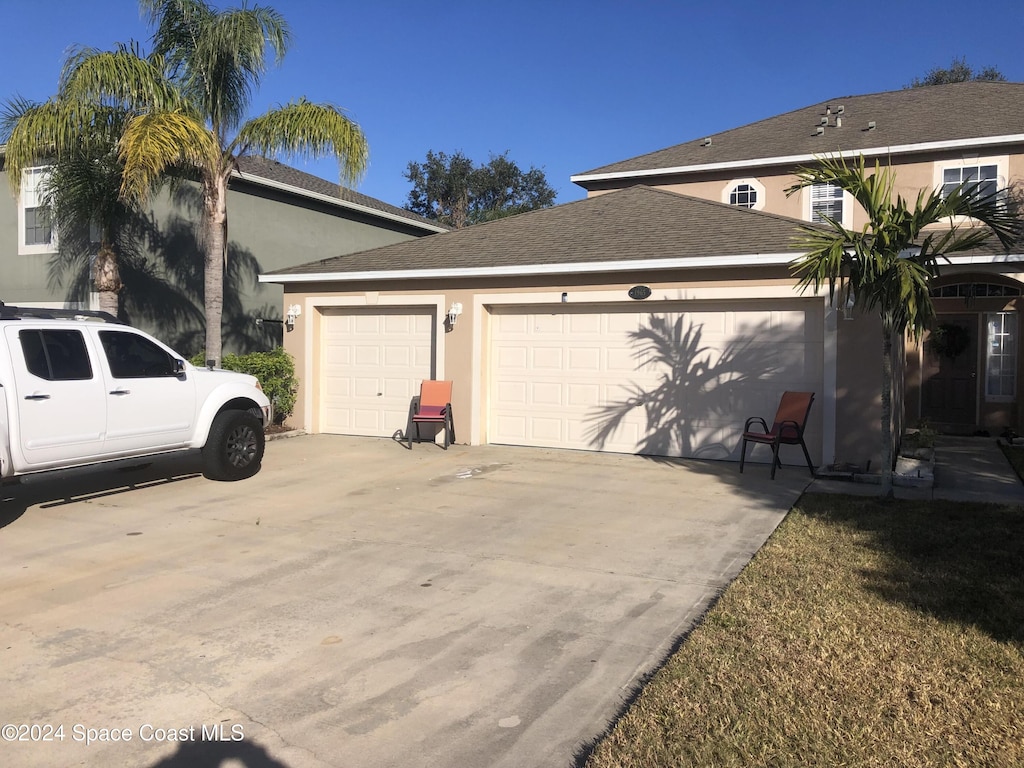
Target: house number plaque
[(639, 292)]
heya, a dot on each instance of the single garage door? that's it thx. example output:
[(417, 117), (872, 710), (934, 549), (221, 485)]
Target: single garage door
[(678, 381), (373, 363)]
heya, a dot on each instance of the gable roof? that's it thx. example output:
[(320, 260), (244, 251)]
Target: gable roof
[(261, 170), (634, 228), (914, 119)]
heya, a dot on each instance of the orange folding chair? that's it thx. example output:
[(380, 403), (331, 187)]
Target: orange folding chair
[(434, 407), (787, 429)]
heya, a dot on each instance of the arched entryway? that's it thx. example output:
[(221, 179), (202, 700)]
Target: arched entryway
[(963, 377)]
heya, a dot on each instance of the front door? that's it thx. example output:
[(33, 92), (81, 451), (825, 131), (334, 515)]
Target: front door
[(949, 389)]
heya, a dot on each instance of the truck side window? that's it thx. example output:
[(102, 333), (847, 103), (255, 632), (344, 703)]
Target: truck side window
[(55, 355), (133, 357)]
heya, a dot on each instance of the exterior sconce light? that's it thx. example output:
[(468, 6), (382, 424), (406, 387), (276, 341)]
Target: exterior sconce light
[(453, 313), (289, 319)]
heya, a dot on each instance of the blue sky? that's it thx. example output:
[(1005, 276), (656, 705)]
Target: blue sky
[(563, 85)]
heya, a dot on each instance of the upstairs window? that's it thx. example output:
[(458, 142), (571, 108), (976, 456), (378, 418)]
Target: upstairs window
[(744, 193), (35, 235), (985, 176), (743, 196), (826, 201)]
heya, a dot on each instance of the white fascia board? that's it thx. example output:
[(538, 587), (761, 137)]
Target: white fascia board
[(992, 258), (692, 262), (761, 162), (260, 180)]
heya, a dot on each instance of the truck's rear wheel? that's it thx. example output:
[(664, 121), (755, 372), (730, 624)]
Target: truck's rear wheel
[(234, 449)]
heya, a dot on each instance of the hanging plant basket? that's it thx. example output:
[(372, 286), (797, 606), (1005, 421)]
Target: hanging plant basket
[(950, 340)]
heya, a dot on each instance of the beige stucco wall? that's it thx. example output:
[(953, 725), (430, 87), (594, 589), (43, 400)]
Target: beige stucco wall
[(913, 173), (462, 351)]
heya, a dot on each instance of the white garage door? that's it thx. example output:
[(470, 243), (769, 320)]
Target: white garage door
[(679, 381), (372, 364)]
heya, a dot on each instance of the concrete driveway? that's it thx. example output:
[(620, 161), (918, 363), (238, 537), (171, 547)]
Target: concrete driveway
[(357, 603)]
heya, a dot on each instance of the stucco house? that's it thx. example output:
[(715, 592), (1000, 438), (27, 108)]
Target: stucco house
[(278, 216), (657, 314)]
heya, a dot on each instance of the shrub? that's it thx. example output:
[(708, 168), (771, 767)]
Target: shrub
[(274, 369)]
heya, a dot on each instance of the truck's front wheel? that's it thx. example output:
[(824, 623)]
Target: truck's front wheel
[(234, 449)]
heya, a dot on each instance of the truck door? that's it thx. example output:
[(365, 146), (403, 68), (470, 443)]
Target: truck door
[(151, 405), (61, 407)]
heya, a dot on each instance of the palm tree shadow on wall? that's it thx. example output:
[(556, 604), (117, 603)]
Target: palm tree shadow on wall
[(163, 289), (697, 386)]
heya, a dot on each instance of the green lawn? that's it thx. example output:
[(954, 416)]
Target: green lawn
[(862, 634)]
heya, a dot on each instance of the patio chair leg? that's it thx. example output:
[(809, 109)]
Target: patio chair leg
[(743, 455), (807, 456), (775, 458)]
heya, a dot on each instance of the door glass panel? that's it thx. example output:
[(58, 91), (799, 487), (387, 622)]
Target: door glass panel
[(1001, 357)]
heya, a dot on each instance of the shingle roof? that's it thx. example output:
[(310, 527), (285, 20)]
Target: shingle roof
[(912, 116), (633, 224), (284, 174)]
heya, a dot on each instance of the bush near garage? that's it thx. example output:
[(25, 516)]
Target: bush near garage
[(275, 370)]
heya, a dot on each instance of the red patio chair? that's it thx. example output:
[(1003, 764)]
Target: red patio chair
[(788, 428), (435, 407)]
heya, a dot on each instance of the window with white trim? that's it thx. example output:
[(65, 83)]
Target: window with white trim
[(35, 235), (985, 176), (1001, 357), (826, 200), (744, 193), (743, 196)]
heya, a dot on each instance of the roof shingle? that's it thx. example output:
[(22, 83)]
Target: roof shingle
[(633, 224), (935, 113)]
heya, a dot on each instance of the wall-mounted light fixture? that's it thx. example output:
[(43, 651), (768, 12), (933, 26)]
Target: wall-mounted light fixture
[(289, 319), (453, 313)]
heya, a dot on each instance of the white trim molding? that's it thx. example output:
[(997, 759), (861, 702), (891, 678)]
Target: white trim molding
[(589, 267)]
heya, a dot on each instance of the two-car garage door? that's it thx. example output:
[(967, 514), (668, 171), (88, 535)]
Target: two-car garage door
[(678, 381)]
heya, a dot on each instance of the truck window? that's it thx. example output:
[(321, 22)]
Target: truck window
[(55, 355), (131, 356)]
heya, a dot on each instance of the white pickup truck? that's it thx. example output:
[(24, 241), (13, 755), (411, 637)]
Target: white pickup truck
[(79, 388)]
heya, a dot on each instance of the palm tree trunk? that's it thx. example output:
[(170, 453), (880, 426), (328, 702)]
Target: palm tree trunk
[(886, 491), (107, 278), (215, 256)]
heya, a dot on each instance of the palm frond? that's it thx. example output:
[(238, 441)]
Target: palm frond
[(303, 128), (154, 143), (121, 78)]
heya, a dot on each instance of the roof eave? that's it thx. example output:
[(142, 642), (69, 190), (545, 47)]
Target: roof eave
[(590, 267), (761, 162), (337, 201)]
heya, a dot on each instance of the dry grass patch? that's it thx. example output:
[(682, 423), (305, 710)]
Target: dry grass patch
[(862, 634)]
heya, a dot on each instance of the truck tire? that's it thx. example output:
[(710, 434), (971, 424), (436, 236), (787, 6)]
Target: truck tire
[(234, 448)]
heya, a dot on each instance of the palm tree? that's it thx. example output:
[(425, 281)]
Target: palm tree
[(191, 98), (81, 193), (887, 266)]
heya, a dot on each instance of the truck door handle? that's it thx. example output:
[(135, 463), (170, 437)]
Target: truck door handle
[(37, 396), (120, 391)]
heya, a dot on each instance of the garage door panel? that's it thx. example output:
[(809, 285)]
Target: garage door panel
[(374, 361), (678, 382), (548, 358), (585, 324)]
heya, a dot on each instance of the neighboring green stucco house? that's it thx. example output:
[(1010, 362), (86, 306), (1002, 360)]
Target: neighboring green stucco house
[(277, 217)]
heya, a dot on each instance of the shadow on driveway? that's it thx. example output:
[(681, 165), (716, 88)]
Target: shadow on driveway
[(54, 489)]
